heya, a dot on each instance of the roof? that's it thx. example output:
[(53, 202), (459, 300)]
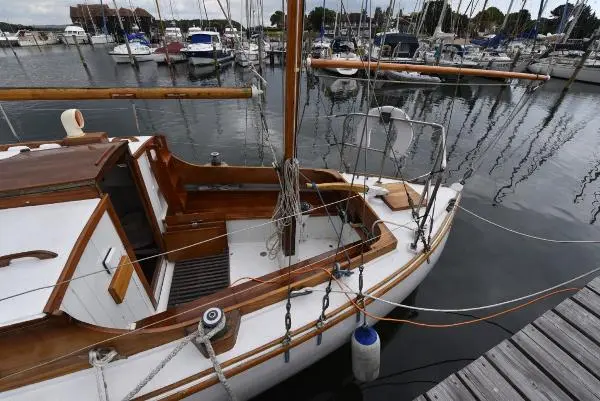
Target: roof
[(53, 227), (81, 11), (39, 170)]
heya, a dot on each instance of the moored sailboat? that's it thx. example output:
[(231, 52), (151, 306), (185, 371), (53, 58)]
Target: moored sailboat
[(155, 278)]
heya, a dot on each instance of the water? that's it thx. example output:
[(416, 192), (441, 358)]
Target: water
[(540, 176)]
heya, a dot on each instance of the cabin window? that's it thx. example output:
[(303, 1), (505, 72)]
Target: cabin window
[(118, 183)]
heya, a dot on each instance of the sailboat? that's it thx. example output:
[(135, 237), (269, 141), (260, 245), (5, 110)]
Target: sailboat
[(129, 273)]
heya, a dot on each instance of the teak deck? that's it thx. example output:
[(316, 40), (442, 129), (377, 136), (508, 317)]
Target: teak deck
[(557, 357)]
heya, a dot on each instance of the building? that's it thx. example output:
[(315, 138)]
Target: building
[(91, 16)]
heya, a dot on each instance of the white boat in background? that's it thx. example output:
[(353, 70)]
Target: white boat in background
[(563, 65), (74, 33), (342, 49), (36, 38), (173, 34), (102, 39), (320, 47), (230, 33), (173, 50), (140, 52), (394, 47), (8, 39), (192, 31), (205, 48)]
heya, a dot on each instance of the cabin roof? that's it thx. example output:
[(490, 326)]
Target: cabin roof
[(37, 170), (52, 227)]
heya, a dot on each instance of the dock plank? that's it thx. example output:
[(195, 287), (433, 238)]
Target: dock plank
[(595, 284), (534, 384), (580, 318), (449, 390), (486, 383), (554, 358), (582, 348), (558, 364), (589, 299)]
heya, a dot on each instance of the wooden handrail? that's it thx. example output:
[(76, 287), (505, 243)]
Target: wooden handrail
[(12, 94), (428, 69), (40, 254)]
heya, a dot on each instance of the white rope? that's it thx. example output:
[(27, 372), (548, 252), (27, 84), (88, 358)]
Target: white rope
[(185, 341), (471, 309), (173, 250), (556, 241), (99, 362), (288, 204), (205, 339)]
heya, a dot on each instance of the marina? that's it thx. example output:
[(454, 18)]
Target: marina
[(217, 230)]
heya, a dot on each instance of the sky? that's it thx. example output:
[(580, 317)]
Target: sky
[(56, 12)]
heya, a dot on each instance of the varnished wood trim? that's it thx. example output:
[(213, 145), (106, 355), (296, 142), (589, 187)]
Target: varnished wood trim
[(59, 290), (44, 198), (143, 192), (129, 249), (120, 281), (102, 156), (142, 149), (381, 289), (40, 254)]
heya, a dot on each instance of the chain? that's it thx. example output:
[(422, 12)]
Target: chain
[(360, 299), (287, 338)]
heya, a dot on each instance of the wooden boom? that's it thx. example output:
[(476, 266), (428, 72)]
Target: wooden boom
[(429, 69), (8, 94)]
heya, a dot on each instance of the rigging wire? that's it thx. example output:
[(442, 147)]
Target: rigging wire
[(299, 270), (555, 241)]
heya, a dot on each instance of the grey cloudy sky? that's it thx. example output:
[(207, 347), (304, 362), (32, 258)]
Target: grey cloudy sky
[(57, 11)]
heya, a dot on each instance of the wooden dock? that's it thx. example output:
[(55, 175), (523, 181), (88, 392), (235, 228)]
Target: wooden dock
[(557, 357)]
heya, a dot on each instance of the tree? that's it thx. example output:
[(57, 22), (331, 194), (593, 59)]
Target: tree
[(378, 16), (277, 19), (315, 17), (517, 23), (490, 19), (586, 24)]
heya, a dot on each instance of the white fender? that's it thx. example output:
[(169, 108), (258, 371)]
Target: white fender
[(73, 122)]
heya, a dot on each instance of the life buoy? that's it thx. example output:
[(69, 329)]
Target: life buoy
[(403, 129)]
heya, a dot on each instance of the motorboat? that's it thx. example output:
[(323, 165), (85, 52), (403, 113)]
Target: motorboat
[(102, 39), (320, 47), (36, 38), (173, 34), (173, 50), (140, 50), (394, 47), (74, 33), (206, 48), (342, 49)]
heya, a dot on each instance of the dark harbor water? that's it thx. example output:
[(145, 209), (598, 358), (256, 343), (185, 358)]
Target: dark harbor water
[(540, 175)]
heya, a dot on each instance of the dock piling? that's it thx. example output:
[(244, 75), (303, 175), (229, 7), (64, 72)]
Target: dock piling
[(79, 51)]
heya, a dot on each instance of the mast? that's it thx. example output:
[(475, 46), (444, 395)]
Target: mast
[(506, 16), (104, 29), (440, 23), (91, 18), (295, 12), (131, 58), (422, 19)]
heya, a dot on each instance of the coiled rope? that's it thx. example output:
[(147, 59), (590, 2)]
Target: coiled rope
[(288, 204)]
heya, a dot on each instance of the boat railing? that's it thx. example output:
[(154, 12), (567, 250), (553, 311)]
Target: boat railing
[(433, 177)]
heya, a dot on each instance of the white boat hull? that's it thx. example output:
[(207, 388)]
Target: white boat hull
[(80, 39), (40, 42), (256, 362), (586, 74), (124, 58), (102, 39), (174, 58)]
